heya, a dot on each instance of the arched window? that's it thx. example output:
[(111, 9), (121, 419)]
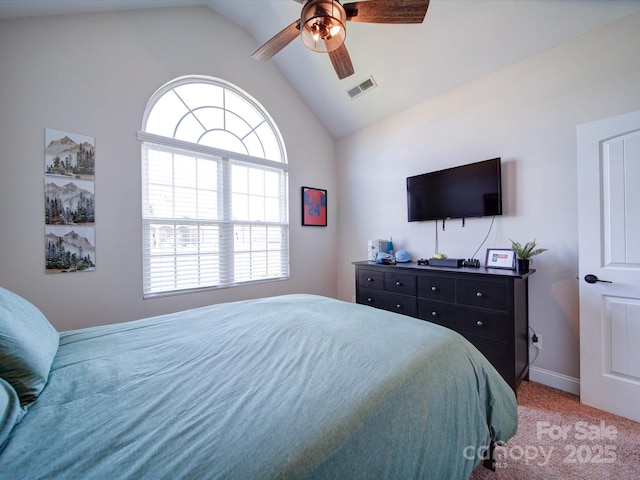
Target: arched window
[(214, 204)]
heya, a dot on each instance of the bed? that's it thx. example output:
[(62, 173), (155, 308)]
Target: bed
[(288, 387)]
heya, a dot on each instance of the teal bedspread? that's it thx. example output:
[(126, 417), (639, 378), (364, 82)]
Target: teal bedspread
[(297, 386)]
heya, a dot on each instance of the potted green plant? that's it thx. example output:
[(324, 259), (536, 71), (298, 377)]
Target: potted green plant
[(524, 254)]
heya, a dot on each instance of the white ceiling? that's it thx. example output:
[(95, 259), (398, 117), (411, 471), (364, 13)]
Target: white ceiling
[(459, 41)]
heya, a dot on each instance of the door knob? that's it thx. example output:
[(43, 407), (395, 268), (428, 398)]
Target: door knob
[(591, 278)]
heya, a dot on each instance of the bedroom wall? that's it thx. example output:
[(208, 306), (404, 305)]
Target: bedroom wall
[(527, 114), (93, 74)]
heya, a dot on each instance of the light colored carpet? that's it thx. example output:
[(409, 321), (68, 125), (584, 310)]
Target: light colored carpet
[(559, 438)]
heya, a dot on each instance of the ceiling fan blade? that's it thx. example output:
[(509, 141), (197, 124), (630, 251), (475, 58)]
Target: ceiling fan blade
[(387, 11), (278, 42), (341, 61)]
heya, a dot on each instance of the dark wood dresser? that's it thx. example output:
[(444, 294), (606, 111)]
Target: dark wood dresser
[(488, 306)]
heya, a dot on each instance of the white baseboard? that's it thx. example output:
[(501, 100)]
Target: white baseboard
[(555, 380)]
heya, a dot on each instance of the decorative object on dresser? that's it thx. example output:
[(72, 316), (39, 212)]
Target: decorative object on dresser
[(375, 247), (524, 254), (488, 307), (500, 258)]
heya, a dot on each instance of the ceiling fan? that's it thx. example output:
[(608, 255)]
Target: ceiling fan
[(322, 26)]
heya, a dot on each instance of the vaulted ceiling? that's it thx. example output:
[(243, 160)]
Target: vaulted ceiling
[(459, 42)]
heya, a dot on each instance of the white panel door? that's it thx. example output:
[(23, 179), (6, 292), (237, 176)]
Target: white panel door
[(609, 270)]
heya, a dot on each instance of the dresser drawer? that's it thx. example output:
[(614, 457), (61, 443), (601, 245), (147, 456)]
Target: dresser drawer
[(437, 288), (496, 353), (400, 283), (465, 320), (388, 301), (370, 279), (491, 295)]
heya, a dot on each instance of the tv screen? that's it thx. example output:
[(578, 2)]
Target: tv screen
[(472, 190)]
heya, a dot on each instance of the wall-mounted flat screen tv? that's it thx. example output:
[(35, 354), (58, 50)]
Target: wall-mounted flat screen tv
[(472, 190)]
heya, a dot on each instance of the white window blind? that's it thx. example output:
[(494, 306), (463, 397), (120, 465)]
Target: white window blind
[(215, 214)]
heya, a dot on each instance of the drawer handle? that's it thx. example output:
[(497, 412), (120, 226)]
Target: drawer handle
[(398, 306), (434, 289), (479, 323), (369, 299), (434, 314), (479, 294), (369, 279), (398, 283)]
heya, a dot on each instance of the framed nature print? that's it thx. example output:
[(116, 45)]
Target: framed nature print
[(314, 207), (69, 202), (500, 258)]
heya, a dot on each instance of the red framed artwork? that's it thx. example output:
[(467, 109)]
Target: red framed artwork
[(314, 207)]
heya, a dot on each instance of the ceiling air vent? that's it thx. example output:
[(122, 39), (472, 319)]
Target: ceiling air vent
[(362, 87)]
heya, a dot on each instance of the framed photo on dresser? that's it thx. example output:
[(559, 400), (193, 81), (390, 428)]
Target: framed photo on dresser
[(500, 258)]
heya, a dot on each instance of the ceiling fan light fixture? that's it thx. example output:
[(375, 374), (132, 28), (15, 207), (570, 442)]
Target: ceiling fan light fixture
[(322, 25)]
